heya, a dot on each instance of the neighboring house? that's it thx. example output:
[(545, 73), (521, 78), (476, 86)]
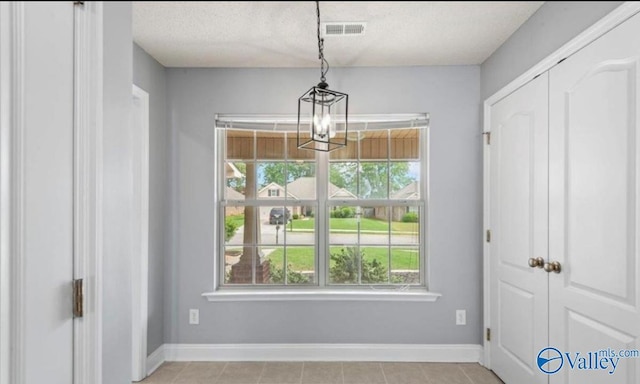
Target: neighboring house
[(275, 191), (272, 190), (302, 188), (339, 193), (410, 192)]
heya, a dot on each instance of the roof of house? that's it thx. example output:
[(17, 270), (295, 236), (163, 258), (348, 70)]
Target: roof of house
[(232, 194), (270, 186), (274, 185), (305, 187), (411, 191)]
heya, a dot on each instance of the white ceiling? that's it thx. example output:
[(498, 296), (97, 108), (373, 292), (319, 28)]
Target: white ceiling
[(283, 34)]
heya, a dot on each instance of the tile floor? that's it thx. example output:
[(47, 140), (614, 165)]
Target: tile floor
[(320, 373)]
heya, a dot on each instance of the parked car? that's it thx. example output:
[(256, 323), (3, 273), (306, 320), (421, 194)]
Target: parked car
[(277, 216)]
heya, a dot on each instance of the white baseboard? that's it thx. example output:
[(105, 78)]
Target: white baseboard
[(155, 360), (449, 353)]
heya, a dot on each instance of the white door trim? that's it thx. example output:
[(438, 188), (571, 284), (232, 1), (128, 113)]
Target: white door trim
[(11, 191), (5, 275), (140, 260), (604, 25), (88, 176)]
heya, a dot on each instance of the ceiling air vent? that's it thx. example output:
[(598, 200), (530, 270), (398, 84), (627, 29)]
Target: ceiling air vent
[(351, 28)]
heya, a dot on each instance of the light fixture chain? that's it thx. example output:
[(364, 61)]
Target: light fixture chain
[(323, 61)]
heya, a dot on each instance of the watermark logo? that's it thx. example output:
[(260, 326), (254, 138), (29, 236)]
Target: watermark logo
[(550, 360)]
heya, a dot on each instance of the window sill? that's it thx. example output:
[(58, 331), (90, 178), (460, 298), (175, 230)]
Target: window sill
[(320, 295)]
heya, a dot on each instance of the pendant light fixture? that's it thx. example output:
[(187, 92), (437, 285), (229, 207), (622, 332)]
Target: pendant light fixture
[(322, 107)]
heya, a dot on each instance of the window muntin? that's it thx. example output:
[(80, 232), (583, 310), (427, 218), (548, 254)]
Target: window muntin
[(376, 236), (378, 177)]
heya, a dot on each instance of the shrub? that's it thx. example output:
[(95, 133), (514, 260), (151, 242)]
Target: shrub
[(345, 268), (348, 212), (230, 228), (296, 216), (343, 213), (373, 271), (410, 217), (293, 277)]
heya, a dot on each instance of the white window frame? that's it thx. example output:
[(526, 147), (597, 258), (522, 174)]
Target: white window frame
[(320, 290)]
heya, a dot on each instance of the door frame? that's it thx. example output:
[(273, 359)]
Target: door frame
[(140, 260), (604, 25), (11, 194)]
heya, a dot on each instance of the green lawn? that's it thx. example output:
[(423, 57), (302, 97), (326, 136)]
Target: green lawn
[(302, 258), (366, 225)]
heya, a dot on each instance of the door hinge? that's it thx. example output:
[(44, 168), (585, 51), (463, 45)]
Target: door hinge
[(78, 298), (488, 136), (488, 235), (488, 334)]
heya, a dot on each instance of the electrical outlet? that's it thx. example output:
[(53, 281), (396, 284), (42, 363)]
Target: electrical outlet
[(461, 317), (194, 316)]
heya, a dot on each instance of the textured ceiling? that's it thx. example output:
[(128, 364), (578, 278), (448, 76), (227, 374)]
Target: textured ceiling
[(283, 34)]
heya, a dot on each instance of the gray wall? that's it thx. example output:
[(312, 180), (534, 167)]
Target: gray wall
[(118, 194), (450, 94), (149, 75), (182, 154), (553, 25)]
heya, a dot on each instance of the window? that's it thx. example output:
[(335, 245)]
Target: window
[(351, 218)]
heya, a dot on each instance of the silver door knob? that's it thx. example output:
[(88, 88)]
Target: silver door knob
[(553, 266), (536, 262)]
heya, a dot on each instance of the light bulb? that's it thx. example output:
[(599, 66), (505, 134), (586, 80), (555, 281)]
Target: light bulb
[(322, 127), (315, 129), (326, 124), (331, 127)]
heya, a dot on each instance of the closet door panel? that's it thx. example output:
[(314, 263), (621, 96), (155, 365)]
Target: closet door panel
[(518, 216), (594, 216)]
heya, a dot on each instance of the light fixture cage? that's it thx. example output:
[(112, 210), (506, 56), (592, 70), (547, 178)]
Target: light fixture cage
[(321, 101)]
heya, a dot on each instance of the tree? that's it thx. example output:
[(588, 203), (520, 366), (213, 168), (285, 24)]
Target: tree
[(242, 271), (373, 177), (282, 174), (399, 176), (344, 175)]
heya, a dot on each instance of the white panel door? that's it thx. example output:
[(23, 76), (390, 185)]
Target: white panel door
[(48, 192), (519, 232), (594, 211)]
